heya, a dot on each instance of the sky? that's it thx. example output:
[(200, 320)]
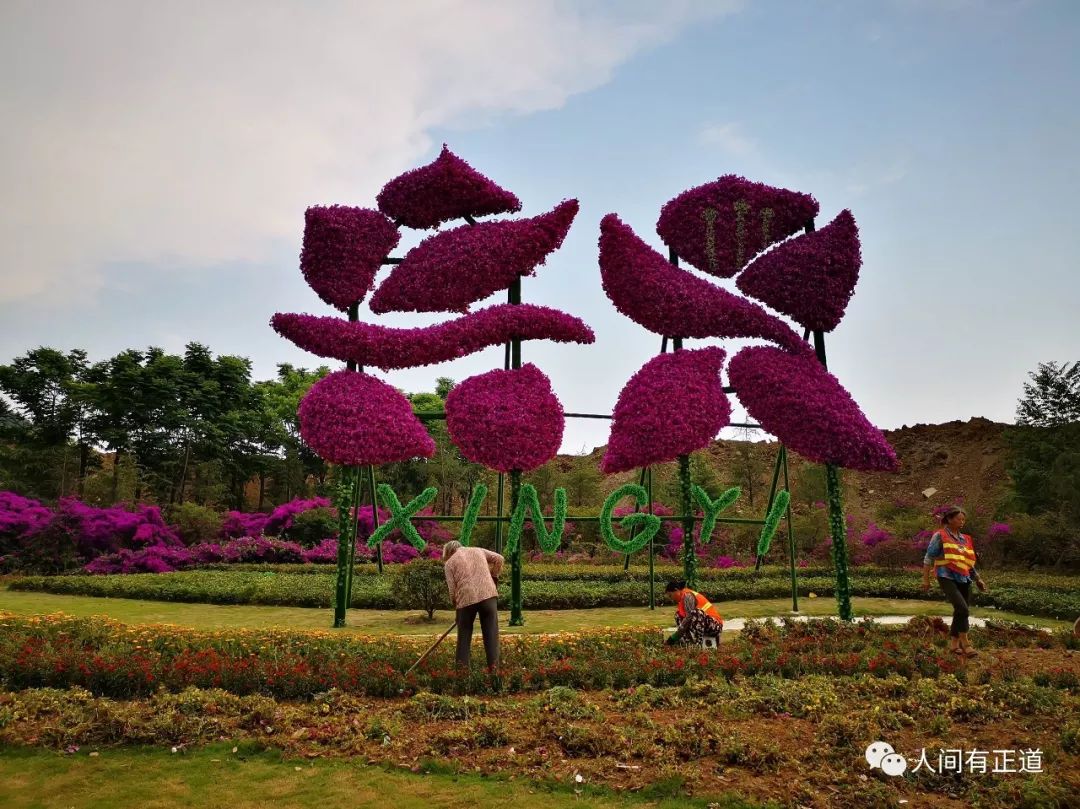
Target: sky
[(156, 160)]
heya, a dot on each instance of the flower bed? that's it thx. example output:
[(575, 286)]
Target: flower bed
[(114, 659)]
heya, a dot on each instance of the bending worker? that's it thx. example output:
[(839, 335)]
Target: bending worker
[(695, 617), (471, 576)]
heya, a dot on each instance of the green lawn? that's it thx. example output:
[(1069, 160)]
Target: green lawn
[(212, 616), (215, 777)]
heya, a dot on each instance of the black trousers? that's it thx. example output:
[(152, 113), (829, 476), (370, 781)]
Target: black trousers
[(959, 595), (488, 610)]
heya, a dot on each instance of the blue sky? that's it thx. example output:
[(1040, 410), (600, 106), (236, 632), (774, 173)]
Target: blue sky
[(155, 175)]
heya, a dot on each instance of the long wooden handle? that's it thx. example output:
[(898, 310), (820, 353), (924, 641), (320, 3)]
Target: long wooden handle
[(434, 646)]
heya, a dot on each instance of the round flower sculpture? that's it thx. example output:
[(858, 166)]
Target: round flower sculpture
[(718, 227), (343, 249), (506, 419), (452, 269), (354, 419), (449, 188), (646, 429), (803, 405), (386, 347), (810, 278), (651, 291)]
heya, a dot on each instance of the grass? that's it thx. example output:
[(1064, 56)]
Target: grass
[(213, 616), (215, 777)]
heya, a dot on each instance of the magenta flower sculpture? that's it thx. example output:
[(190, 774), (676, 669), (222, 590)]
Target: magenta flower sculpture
[(448, 188), (389, 348), (450, 270), (354, 419), (810, 278), (506, 420), (718, 227), (343, 249), (646, 430), (805, 407), (651, 291)]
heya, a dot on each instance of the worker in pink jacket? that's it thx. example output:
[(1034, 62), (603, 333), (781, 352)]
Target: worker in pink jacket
[(471, 576)]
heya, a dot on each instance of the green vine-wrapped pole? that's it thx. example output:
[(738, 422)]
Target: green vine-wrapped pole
[(516, 618), (690, 565), (839, 542), (343, 499), (772, 523)]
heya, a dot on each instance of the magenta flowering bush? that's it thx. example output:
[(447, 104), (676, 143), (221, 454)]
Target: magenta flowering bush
[(262, 549), (718, 227), (805, 407), (343, 249), (388, 348), (238, 524), (651, 291), (506, 419), (153, 559), (451, 270), (20, 520), (448, 188), (874, 535), (281, 518), (646, 428), (810, 278), (354, 419)]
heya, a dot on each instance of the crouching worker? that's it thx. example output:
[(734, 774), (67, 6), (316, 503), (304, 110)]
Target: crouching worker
[(696, 618), (471, 575)]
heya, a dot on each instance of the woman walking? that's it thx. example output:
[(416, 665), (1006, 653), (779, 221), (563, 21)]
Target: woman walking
[(952, 554)]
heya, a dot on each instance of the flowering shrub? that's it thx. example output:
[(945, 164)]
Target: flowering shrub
[(243, 524), (282, 518), (343, 249), (452, 269), (874, 535), (721, 225), (20, 519), (155, 559), (646, 429), (384, 347), (654, 293), (354, 419), (445, 189), (805, 407), (810, 278), (506, 419)]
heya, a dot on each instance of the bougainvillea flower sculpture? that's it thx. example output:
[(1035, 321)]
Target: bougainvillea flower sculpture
[(646, 429), (354, 419), (718, 227), (386, 347), (343, 249), (452, 269), (446, 189), (506, 419), (810, 278), (802, 404), (651, 291)]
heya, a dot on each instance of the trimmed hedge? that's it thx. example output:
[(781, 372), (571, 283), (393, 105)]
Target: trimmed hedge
[(1027, 594)]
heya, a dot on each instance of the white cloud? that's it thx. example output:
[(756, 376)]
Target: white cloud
[(729, 137), (194, 134)]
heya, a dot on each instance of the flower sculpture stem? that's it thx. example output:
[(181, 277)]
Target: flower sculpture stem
[(516, 618), (652, 545), (347, 529), (641, 482), (836, 516), (791, 539)]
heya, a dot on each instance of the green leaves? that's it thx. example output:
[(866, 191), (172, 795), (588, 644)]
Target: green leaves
[(529, 501), (768, 531), (649, 524), (401, 516)]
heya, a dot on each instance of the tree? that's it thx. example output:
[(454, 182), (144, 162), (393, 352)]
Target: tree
[(421, 584), (1052, 398)]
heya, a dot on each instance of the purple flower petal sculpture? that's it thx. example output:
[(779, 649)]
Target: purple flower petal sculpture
[(506, 420), (647, 430), (803, 405), (651, 291), (810, 278), (449, 188), (354, 419), (450, 270), (719, 226), (343, 249), (387, 348)]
